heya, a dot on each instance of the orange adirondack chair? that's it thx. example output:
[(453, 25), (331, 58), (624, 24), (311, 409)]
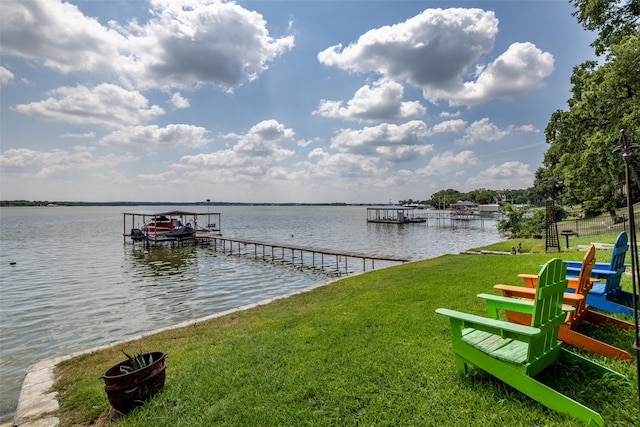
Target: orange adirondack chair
[(568, 331)]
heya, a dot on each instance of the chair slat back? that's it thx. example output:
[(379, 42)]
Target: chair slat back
[(620, 248), (584, 285), (547, 311), (584, 278)]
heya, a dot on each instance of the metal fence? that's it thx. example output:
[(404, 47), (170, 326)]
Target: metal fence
[(599, 225)]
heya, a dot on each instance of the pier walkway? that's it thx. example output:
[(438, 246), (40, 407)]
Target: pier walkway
[(304, 256)]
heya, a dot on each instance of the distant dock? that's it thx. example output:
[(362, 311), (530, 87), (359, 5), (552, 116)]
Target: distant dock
[(409, 215), (395, 215)]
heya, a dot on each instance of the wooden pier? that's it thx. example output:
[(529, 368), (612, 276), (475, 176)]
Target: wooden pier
[(313, 258)]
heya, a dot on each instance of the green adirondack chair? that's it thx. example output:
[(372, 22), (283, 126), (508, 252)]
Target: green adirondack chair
[(516, 353)]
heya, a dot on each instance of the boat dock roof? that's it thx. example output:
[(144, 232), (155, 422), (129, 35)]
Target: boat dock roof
[(146, 212)]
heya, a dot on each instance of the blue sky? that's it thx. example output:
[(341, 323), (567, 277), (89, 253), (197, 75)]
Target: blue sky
[(278, 101)]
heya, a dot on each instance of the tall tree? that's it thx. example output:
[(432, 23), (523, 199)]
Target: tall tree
[(444, 198), (482, 196), (605, 99)]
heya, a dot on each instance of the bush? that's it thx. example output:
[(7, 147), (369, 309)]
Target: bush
[(524, 224)]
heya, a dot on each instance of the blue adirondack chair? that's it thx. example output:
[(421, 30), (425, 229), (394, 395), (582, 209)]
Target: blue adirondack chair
[(516, 353), (603, 294)]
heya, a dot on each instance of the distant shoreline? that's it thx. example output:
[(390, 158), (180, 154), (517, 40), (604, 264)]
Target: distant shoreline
[(26, 203)]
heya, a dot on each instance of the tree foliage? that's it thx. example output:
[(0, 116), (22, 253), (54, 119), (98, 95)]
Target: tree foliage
[(612, 19), (580, 164), (444, 198)]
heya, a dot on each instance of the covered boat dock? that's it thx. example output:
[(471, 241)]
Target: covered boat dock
[(205, 224), (394, 215)]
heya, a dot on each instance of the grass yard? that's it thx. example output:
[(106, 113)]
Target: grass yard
[(364, 350)]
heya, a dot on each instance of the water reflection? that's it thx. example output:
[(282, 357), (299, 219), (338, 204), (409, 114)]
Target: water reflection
[(161, 261)]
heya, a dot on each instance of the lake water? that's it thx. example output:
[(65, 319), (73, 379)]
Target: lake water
[(74, 284)]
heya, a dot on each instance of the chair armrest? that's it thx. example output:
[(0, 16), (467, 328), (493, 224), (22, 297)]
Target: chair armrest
[(495, 302), (573, 264), (530, 280), (485, 323), (605, 272), (573, 282), (516, 291), (571, 300), (602, 265)]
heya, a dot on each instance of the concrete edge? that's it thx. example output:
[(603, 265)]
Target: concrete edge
[(36, 399)]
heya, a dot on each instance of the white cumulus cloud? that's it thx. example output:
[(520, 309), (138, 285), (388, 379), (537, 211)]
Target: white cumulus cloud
[(178, 101), (448, 163), (483, 130), (214, 42), (183, 44), (252, 154), (106, 105), (520, 69), (380, 101), (507, 175), (58, 35), (389, 141), (5, 76), (435, 50), (152, 138)]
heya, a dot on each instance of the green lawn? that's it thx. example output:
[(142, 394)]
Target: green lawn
[(364, 350)]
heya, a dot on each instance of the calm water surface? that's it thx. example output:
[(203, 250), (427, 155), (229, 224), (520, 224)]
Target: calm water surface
[(76, 285)]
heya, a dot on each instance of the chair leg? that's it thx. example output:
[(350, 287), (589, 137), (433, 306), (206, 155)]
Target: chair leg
[(590, 344), (554, 400), (547, 396), (624, 295), (461, 364), (577, 339), (600, 302), (601, 319), (573, 358)]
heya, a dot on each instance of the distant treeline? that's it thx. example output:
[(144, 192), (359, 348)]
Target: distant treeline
[(23, 203)]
